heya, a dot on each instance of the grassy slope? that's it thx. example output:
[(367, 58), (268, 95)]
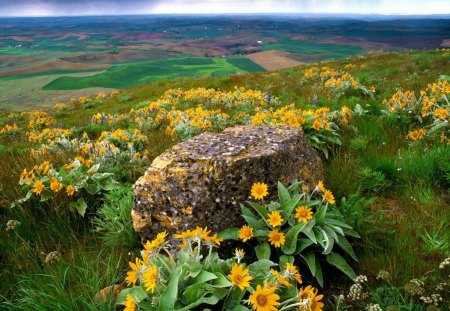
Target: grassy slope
[(391, 227), (333, 51), (127, 75)]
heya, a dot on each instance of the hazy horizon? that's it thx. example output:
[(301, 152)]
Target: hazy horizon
[(58, 8)]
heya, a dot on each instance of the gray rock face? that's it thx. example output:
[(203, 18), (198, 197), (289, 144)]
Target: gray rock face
[(201, 182)]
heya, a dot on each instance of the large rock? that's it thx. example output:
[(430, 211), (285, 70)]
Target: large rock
[(203, 180)]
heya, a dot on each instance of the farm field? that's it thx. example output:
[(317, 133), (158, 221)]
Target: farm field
[(273, 60), (127, 75), (373, 235), (24, 93), (118, 45)]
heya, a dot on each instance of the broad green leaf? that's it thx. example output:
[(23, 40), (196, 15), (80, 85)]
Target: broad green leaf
[(352, 233), (261, 266), (325, 240), (273, 206), (254, 223), (195, 268), (240, 308), (438, 126), (22, 200), (310, 233), (310, 259), (229, 234), (319, 274), (286, 259), (193, 293), (263, 251), (310, 203), (320, 214), (204, 277), (102, 176), (335, 222), (92, 187), (318, 234), (347, 247), (290, 245), (328, 246), (289, 206), (337, 229), (303, 244), (234, 298), (260, 209), (137, 292), (170, 295), (339, 262), (283, 194), (221, 281), (211, 299), (261, 233), (330, 231), (46, 195), (294, 187), (108, 184), (80, 206)]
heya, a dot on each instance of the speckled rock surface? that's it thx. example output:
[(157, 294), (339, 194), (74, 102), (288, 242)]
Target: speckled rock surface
[(203, 180)]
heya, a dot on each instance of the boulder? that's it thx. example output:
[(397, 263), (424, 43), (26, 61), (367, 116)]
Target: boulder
[(200, 182)]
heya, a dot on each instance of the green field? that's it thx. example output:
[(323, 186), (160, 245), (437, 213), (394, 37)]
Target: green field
[(333, 51), (127, 75)]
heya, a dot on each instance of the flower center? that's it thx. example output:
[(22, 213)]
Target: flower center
[(238, 278), (261, 299)]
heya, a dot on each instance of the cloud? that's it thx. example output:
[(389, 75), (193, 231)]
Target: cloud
[(75, 7), (101, 7)]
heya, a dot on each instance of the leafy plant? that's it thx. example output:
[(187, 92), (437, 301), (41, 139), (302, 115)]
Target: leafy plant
[(307, 226), (373, 181), (113, 220), (436, 240), (199, 279)]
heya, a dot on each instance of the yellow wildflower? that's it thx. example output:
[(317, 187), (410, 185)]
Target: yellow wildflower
[(275, 219), (239, 276), (245, 233), (303, 214), (264, 298), (38, 187), (259, 190), (70, 190), (150, 278), (276, 238)]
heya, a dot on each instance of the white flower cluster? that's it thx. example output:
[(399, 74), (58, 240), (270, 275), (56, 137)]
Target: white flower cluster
[(360, 279), (12, 224), (445, 263), (383, 275), (356, 292), (52, 257), (441, 286), (417, 282), (434, 299), (373, 307), (415, 287)]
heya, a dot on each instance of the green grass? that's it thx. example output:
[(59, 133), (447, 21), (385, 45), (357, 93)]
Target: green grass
[(330, 51), (127, 75), (245, 64)]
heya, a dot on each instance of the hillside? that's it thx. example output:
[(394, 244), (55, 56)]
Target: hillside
[(48, 59), (379, 122)]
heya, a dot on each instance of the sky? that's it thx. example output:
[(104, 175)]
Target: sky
[(120, 7)]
